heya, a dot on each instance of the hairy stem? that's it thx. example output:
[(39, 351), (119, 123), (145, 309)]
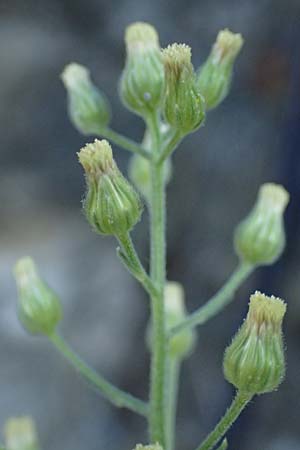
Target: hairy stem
[(240, 401), (109, 391), (131, 260), (169, 147), (158, 274), (124, 142), (217, 302), (171, 396)]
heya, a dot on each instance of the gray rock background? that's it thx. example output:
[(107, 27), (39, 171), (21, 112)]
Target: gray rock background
[(253, 137)]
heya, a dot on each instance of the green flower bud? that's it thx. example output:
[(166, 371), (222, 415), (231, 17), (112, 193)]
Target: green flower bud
[(20, 434), (141, 84), (214, 77), (254, 361), (88, 108), (260, 238), (39, 307), (182, 343), (111, 205), (184, 106)]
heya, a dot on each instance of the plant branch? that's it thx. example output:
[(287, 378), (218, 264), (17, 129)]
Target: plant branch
[(169, 147), (171, 396), (217, 303), (130, 259), (123, 141), (224, 445), (238, 404), (158, 274), (109, 391)]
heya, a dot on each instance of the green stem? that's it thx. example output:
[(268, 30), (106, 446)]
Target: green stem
[(169, 147), (171, 396), (224, 445), (112, 393), (217, 302), (124, 142), (131, 260), (240, 401), (158, 275)]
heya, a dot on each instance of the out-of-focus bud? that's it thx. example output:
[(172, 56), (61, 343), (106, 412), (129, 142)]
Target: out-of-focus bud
[(111, 205), (140, 174), (184, 106), (254, 361), (214, 77), (20, 434), (260, 238), (141, 84), (39, 307), (182, 343), (148, 447), (140, 169), (88, 108)]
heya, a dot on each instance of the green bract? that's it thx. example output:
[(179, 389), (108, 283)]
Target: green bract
[(214, 77), (111, 205), (142, 80), (254, 361), (88, 107), (260, 238), (39, 307), (184, 107)]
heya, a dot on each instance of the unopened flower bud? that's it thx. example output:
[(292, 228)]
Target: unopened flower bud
[(184, 106), (183, 342), (142, 80), (88, 108), (20, 434), (111, 205), (254, 361), (215, 75), (260, 238), (148, 447), (39, 307)]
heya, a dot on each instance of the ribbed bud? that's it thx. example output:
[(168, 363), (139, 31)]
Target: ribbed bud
[(214, 77), (141, 84), (111, 205), (39, 307), (260, 238), (254, 361), (20, 434), (182, 343), (88, 108), (184, 106)]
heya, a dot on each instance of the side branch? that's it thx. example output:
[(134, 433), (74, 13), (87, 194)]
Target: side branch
[(115, 395), (217, 303), (124, 142)]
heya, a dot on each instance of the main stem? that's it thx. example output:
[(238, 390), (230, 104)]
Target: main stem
[(240, 401), (158, 275), (171, 397)]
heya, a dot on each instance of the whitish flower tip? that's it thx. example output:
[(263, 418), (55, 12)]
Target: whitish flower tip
[(274, 196), (266, 310), (140, 36), (73, 74)]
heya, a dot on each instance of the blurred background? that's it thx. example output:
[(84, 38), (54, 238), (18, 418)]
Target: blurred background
[(253, 137)]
